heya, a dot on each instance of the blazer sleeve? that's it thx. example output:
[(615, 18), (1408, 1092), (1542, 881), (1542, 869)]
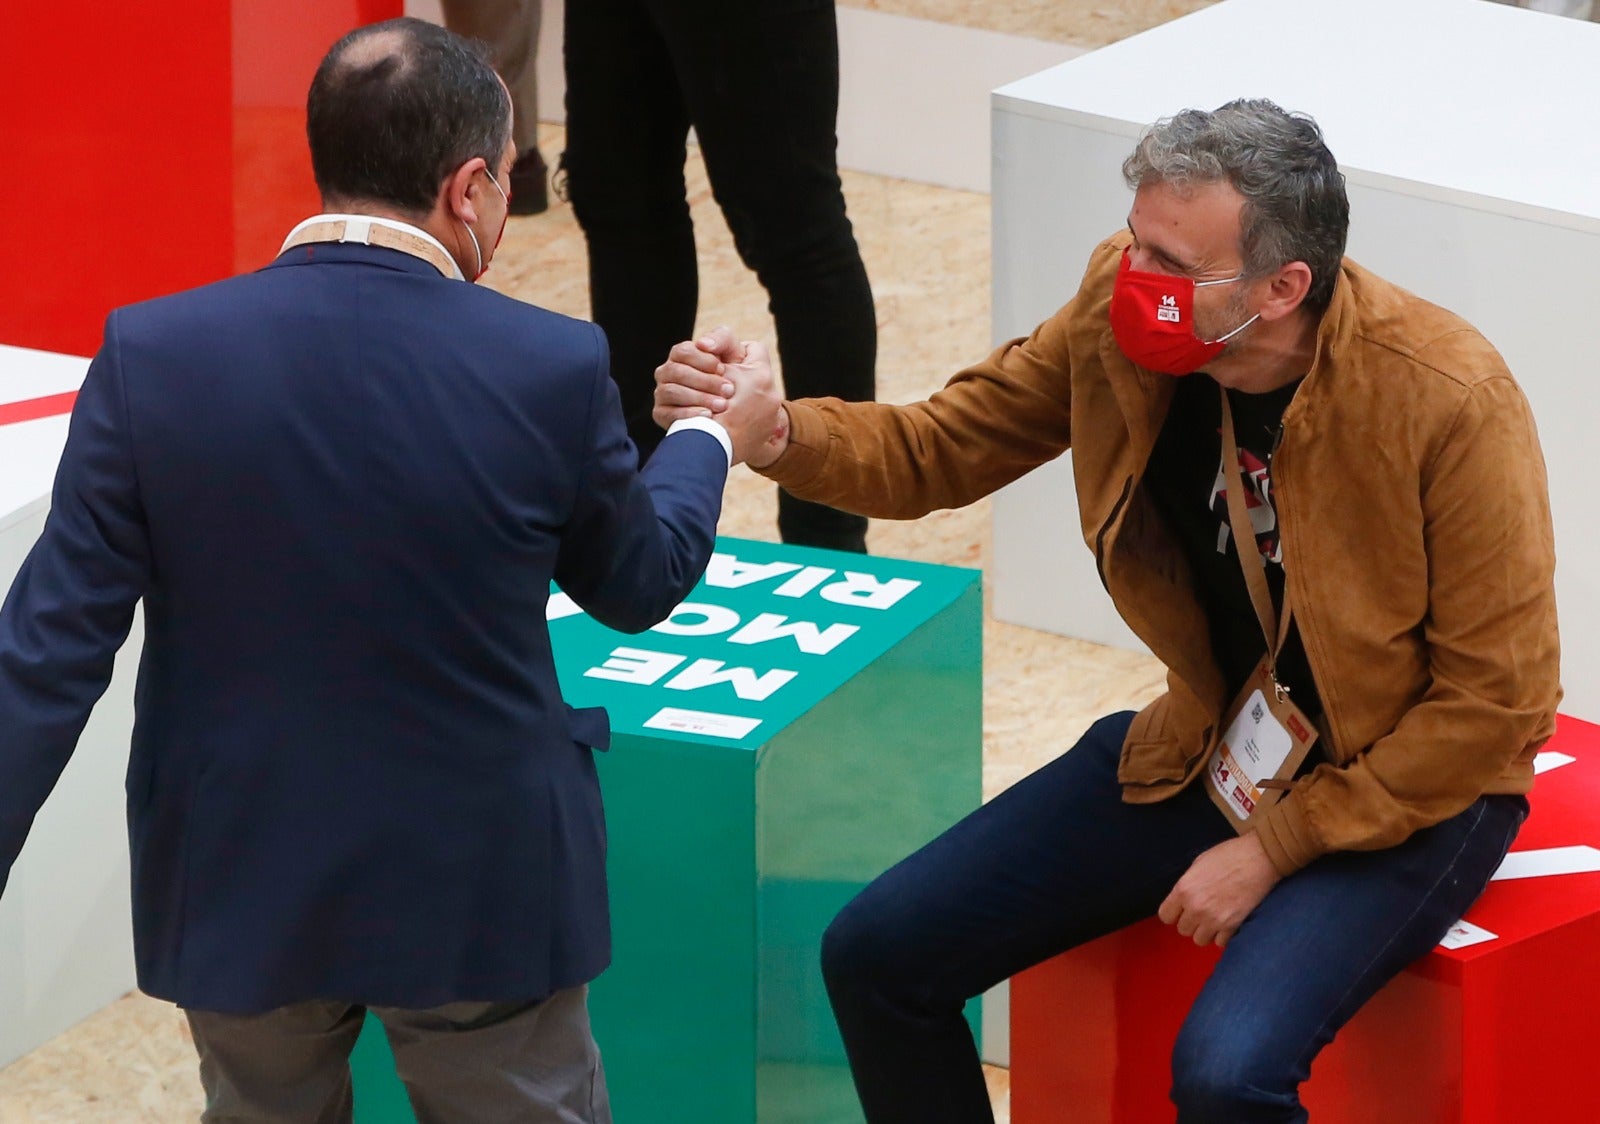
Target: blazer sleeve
[(637, 542), (72, 603)]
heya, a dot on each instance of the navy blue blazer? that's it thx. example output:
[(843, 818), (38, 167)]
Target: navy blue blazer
[(342, 486)]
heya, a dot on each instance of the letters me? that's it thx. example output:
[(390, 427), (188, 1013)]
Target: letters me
[(637, 665), (694, 619)]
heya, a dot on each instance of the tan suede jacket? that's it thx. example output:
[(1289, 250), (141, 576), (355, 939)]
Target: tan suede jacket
[(1417, 543)]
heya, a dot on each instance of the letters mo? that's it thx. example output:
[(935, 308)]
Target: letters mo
[(725, 571)]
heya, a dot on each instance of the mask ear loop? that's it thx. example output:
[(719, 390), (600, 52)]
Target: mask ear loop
[(1223, 281), (477, 250), (1236, 331)]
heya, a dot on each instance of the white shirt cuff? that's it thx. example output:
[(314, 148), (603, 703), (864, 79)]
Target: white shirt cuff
[(705, 425)]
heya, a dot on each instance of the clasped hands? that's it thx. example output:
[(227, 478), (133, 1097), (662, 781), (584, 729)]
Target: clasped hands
[(717, 376), (720, 377)]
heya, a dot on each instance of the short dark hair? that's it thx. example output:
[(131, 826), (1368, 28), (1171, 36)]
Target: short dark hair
[(396, 106), (1295, 208)]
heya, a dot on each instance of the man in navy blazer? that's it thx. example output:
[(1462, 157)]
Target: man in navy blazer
[(342, 486)]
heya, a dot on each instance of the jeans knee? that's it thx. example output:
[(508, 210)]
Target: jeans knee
[(1225, 1081), (1205, 1097)]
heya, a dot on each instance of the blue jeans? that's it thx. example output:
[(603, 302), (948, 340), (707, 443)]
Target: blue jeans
[(1058, 860)]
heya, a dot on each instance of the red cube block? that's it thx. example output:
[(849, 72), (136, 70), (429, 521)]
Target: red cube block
[(1497, 1032)]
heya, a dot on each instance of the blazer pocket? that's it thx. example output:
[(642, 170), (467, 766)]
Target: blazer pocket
[(590, 726)]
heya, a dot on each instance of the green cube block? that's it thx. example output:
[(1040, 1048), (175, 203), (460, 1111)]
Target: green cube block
[(801, 722)]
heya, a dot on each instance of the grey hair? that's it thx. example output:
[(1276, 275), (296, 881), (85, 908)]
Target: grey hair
[(1295, 208)]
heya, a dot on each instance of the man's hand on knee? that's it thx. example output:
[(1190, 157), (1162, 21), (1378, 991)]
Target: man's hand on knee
[(1220, 889)]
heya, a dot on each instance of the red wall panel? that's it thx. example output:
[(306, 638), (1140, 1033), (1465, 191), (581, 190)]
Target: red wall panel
[(148, 148)]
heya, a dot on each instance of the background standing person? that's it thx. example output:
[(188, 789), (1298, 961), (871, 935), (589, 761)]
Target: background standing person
[(341, 486), (759, 82), (510, 29)]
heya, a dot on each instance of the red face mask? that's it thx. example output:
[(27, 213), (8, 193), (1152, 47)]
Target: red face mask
[(1152, 318)]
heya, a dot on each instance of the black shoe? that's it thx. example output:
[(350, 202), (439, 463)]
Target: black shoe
[(530, 190)]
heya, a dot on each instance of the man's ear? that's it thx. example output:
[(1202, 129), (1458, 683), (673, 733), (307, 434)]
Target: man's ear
[(1286, 290), (459, 192)]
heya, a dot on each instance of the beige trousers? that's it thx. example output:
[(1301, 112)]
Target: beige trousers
[(510, 28), (483, 1063)]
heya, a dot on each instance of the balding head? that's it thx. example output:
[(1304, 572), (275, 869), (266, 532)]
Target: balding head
[(395, 108), (368, 47)]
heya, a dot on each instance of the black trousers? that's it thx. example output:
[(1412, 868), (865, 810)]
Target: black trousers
[(759, 82)]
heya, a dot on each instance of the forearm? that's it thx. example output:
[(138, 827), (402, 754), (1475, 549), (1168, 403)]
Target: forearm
[(864, 457), (638, 543), (991, 424)]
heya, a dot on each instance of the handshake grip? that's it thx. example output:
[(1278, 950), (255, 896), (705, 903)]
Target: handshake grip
[(730, 381)]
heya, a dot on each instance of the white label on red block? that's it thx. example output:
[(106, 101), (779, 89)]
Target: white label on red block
[(1544, 862), (701, 722), (1464, 933), (1550, 759)]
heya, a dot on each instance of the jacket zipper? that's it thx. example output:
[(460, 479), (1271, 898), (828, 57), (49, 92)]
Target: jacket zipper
[(1105, 528), (1300, 615)]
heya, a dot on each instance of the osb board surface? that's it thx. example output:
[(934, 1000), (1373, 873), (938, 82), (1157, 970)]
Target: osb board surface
[(1088, 23), (132, 1063)]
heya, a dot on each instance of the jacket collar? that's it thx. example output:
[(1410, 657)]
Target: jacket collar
[(322, 252), (1335, 342), (326, 231)]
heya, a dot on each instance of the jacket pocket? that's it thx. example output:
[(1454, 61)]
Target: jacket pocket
[(1151, 753), (590, 726)]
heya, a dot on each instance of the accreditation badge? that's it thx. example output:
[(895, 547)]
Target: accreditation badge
[(1265, 740)]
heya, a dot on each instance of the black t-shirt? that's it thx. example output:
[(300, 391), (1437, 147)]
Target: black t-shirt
[(1185, 479)]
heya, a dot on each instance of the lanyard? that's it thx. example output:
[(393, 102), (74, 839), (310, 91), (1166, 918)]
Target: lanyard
[(373, 232), (1244, 542)]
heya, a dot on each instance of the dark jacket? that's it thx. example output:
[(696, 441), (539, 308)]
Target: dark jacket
[(342, 486)]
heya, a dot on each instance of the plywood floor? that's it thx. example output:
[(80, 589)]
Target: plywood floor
[(1088, 23)]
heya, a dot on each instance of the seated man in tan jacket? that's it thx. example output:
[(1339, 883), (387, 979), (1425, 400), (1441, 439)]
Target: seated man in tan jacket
[(1343, 754)]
